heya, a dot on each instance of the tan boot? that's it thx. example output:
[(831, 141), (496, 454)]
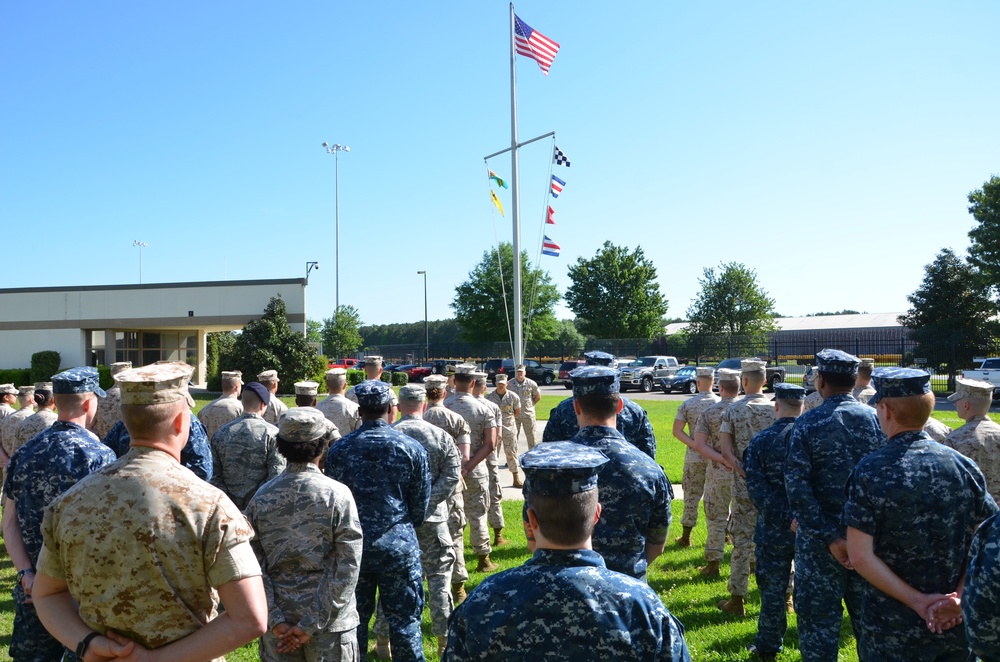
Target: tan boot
[(733, 605), (485, 565), (382, 648), (685, 539), (517, 481), (710, 569), (458, 592), (442, 644), (789, 604), (498, 538)]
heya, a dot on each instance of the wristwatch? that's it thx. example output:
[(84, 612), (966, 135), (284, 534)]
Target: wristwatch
[(81, 648), (22, 573)]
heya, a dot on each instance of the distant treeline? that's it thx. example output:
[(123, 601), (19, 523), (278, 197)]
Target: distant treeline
[(441, 331)]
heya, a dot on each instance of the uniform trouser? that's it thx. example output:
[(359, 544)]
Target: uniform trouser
[(821, 583), (322, 647), (897, 634), (693, 482), (477, 502), (718, 494), (741, 527), (456, 527), (30, 641), (508, 438), (494, 511), (775, 549), (401, 592), (437, 557), (527, 423)]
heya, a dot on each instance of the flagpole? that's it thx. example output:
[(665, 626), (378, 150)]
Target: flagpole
[(515, 203)]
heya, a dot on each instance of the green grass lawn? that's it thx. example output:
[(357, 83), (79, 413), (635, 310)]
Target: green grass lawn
[(710, 634)]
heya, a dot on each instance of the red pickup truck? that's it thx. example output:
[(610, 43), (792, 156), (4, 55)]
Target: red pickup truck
[(347, 364)]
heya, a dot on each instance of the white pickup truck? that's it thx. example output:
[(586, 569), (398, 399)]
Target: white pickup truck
[(989, 371), (645, 372)]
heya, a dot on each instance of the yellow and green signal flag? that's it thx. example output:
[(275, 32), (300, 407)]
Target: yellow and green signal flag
[(495, 177), (496, 201)]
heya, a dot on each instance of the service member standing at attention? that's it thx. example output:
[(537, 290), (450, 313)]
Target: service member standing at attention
[(373, 371), (387, 472), (109, 410), (563, 603), (275, 407), (912, 509), (774, 535), (979, 438), (10, 423), (41, 419), (740, 422), (305, 394), (227, 407), (981, 593), (510, 407), (825, 445), (863, 389), (245, 452), (633, 422), (339, 410), (8, 397), (494, 513), (138, 550), (695, 465), (45, 467), (814, 399), (309, 544), (527, 392)]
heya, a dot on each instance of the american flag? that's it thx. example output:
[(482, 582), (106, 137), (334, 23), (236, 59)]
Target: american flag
[(557, 186), (559, 158), (549, 247), (551, 218), (533, 44)]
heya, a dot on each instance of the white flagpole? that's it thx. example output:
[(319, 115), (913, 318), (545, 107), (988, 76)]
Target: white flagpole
[(515, 203)]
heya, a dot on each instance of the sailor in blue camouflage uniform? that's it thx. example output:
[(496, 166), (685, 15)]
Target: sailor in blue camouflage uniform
[(632, 422), (196, 454), (45, 467), (388, 474), (981, 597), (912, 509), (563, 603), (635, 493), (825, 445), (774, 538)]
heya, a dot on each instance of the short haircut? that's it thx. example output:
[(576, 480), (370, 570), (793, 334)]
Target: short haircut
[(979, 403), (566, 519), (250, 399), (301, 451), (911, 411), (373, 412), (302, 400), (336, 381), (755, 378), (267, 381), (865, 370), (70, 403), (151, 421), (464, 378), (599, 405), (43, 398), (839, 380), (792, 406), (729, 385), (230, 383)]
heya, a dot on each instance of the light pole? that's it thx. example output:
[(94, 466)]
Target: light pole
[(427, 333), (336, 149), (141, 245), (309, 267)]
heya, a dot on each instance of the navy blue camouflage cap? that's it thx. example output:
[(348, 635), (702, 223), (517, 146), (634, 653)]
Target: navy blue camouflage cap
[(785, 391), (598, 379), (260, 391), (899, 383), (560, 468), (599, 358), (372, 393), (836, 361), (301, 424), (78, 380)]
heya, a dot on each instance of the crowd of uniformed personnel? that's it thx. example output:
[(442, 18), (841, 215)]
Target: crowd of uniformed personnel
[(130, 520)]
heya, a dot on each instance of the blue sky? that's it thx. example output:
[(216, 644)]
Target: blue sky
[(788, 136)]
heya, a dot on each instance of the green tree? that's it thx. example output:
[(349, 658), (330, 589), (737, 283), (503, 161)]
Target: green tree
[(615, 294), (340, 332), (479, 301), (984, 253), (732, 307), (567, 342), (951, 317), (313, 328), (269, 343)]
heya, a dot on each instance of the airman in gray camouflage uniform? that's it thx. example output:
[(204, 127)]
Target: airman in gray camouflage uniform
[(863, 389), (309, 547), (909, 543), (740, 422), (227, 407), (494, 513), (41, 419), (979, 438), (695, 466), (109, 411), (275, 407), (245, 451), (339, 410), (510, 407), (981, 597)]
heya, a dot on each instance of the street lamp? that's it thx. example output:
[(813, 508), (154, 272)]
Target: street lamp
[(336, 149), (141, 245), (427, 333), (309, 267)]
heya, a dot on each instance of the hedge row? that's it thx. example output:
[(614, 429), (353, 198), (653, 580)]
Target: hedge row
[(16, 376)]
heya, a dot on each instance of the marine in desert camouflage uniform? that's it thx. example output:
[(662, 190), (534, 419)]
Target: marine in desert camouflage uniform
[(510, 407), (227, 407), (275, 407), (109, 411), (339, 410), (695, 465), (979, 438)]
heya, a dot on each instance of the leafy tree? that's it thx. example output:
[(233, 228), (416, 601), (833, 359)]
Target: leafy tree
[(732, 306), (479, 301), (615, 294), (269, 343), (951, 317), (340, 332), (567, 342), (313, 328), (440, 331), (984, 253)]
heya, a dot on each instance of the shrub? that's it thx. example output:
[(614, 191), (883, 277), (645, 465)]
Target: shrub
[(355, 377), (320, 375), (43, 365), (386, 377), (16, 376), (399, 378), (106, 380)]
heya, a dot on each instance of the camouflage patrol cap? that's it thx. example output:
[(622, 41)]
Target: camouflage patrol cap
[(753, 365), (595, 379), (372, 393), (8, 389), (268, 376), (119, 367), (435, 381), (561, 468), (783, 391), (479, 377), (899, 383), (837, 362), (25, 391), (306, 388), (599, 358), (729, 375), (155, 384), (520, 368), (301, 425), (465, 369), (336, 372), (261, 391), (870, 363), (705, 371), (232, 374), (84, 379), (500, 378), (971, 388), (373, 359), (413, 393), (43, 386)]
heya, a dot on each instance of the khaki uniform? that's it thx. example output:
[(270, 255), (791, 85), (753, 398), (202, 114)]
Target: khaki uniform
[(979, 440), (341, 412), (526, 391), (458, 429), (695, 464), (718, 482), (219, 412), (109, 412), (508, 403), (32, 425), (275, 408), (812, 401), (477, 482), (175, 539)]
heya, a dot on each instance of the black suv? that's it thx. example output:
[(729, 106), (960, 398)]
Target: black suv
[(533, 370), (775, 375)]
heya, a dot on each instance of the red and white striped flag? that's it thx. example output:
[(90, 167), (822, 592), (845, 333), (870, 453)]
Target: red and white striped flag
[(532, 43), (551, 218)]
